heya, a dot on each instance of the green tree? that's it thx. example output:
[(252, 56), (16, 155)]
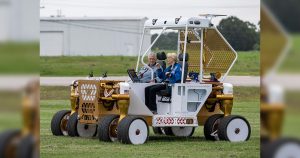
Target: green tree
[(287, 12), (167, 41), (242, 35)]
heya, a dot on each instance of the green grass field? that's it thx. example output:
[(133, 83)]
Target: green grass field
[(19, 58), (246, 104), (247, 64)]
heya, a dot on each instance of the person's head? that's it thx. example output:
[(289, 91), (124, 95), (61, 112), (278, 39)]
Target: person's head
[(171, 58), (151, 58)]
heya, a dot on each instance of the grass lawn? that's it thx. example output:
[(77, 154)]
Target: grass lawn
[(54, 99), (19, 58), (247, 64)]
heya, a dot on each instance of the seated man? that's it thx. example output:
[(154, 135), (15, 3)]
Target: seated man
[(171, 75), (145, 73)]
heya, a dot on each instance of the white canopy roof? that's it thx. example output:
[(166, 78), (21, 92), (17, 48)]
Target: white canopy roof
[(177, 23)]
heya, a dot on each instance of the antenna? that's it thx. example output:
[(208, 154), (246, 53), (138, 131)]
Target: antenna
[(59, 13), (210, 16)]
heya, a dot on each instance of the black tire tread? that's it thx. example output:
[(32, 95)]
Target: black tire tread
[(268, 149), (157, 130), (192, 133), (103, 127), (56, 120), (168, 131), (5, 139), (27, 147), (208, 126), (72, 125)]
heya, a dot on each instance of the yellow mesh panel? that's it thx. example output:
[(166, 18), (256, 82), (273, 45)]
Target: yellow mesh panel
[(218, 56), (193, 49)]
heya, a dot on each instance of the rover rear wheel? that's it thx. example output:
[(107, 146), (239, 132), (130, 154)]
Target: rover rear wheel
[(234, 128), (86, 130), (107, 128), (133, 130), (168, 131), (183, 131), (59, 123), (211, 127), (157, 130)]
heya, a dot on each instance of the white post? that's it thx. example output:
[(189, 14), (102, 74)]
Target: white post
[(178, 43), (184, 52), (201, 58), (152, 72), (184, 107), (140, 51)]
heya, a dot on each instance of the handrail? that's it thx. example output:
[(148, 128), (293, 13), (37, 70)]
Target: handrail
[(140, 51), (152, 72)]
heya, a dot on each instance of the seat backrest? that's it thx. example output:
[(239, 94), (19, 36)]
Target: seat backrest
[(161, 57), (186, 65)]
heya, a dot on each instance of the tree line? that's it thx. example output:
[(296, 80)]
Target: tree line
[(287, 12), (242, 35)]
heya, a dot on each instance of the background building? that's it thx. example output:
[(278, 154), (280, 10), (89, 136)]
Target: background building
[(62, 36), (19, 20)]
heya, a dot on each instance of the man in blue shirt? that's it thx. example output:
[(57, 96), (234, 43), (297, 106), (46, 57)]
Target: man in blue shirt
[(171, 75)]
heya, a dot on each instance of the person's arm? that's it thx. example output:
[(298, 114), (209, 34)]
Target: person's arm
[(140, 72), (161, 74), (178, 72)]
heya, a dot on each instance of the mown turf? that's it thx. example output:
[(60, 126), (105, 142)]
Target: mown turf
[(247, 64), (19, 58), (157, 146)]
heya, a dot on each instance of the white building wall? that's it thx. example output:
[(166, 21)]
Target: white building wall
[(4, 20), (92, 37), (19, 20)]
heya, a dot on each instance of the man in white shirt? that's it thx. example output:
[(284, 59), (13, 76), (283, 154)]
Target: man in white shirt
[(145, 73)]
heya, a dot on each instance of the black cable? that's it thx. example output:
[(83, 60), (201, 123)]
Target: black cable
[(91, 27)]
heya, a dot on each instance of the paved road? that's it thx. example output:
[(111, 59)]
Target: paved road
[(65, 81)]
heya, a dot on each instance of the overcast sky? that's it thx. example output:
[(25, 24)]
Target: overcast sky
[(248, 10)]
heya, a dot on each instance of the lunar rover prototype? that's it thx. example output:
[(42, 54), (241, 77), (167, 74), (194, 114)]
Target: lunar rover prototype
[(116, 111)]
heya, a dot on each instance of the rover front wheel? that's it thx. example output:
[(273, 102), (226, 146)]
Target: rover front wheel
[(133, 130), (234, 129)]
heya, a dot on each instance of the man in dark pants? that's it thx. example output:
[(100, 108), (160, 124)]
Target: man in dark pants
[(172, 74), (150, 95)]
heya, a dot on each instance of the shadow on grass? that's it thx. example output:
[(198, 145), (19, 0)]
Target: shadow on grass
[(163, 138)]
